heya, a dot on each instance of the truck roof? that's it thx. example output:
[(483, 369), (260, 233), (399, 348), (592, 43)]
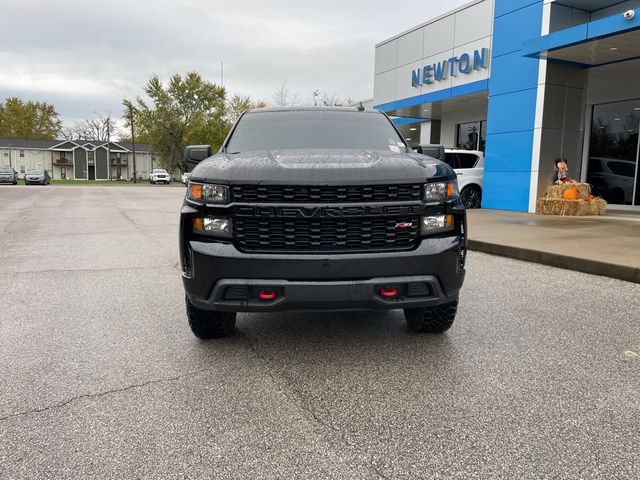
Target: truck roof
[(310, 109)]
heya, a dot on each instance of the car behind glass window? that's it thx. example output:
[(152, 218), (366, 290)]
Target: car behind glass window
[(315, 130), (626, 169)]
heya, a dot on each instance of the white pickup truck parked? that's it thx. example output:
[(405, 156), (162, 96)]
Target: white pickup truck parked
[(159, 175)]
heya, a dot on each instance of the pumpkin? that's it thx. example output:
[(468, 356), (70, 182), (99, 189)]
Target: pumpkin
[(571, 194)]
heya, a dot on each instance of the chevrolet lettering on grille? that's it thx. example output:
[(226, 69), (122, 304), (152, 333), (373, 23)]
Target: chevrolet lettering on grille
[(327, 212)]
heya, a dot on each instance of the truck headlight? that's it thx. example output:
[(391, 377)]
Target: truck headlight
[(437, 224), (214, 226), (440, 191), (207, 193)]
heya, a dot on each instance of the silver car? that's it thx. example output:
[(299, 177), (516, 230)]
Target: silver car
[(8, 175), (37, 177)]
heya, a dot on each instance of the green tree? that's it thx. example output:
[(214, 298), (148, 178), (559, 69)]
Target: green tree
[(187, 110), (237, 105), (33, 120)]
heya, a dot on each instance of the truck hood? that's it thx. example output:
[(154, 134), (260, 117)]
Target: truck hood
[(346, 167)]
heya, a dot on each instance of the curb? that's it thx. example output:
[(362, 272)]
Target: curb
[(594, 267)]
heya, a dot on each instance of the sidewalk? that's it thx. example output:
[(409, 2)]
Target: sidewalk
[(608, 245)]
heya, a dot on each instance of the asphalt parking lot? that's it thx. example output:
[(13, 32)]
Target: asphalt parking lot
[(100, 376)]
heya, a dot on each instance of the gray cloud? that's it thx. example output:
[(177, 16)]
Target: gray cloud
[(84, 57)]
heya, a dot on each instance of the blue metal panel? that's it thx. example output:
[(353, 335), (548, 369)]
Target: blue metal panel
[(509, 152), (613, 25), (505, 77), (424, 98), (436, 96), (510, 31), (512, 106), (468, 88), (502, 7), (561, 38), (587, 32), (405, 120), (512, 112), (506, 191)]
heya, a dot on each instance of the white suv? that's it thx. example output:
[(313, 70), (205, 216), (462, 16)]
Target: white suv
[(469, 165), (159, 175)]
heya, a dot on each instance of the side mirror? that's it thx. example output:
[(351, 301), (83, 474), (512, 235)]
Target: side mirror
[(419, 149), (432, 150), (197, 153)]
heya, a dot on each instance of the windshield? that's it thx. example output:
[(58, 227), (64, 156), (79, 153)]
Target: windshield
[(35, 172), (6, 170), (293, 129), (159, 171)]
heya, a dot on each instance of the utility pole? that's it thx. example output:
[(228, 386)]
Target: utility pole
[(133, 143), (109, 146)]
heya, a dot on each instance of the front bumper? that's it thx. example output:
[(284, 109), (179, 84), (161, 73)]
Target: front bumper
[(324, 282)]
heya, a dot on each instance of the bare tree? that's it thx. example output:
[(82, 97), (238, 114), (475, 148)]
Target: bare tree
[(284, 96), (99, 128), (66, 133)]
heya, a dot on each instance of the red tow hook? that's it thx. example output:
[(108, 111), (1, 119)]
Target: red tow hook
[(388, 292), (267, 294)]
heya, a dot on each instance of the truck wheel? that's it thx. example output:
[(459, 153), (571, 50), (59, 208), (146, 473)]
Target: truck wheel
[(436, 319), (205, 324)]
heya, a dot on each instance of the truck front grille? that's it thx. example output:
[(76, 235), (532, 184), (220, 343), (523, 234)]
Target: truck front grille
[(326, 234), (325, 194)]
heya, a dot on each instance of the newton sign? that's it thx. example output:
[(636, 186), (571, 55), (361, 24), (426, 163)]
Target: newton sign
[(462, 64)]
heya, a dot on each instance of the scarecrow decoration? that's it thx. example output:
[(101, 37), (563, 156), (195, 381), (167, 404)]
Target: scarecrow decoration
[(568, 197)]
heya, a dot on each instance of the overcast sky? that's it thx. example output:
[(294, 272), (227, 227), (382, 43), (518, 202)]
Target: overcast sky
[(85, 56)]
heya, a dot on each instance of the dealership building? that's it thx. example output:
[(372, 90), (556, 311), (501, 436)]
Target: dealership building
[(527, 82)]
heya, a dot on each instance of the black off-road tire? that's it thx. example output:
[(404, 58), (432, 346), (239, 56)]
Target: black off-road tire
[(436, 319), (206, 324)]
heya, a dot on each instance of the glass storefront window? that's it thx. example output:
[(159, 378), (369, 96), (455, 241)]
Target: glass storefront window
[(613, 152), (470, 136)]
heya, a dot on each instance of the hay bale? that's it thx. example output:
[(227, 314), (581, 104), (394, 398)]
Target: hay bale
[(556, 191), (595, 206), (558, 206)]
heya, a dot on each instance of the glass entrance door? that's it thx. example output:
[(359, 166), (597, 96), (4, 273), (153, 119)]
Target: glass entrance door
[(613, 152)]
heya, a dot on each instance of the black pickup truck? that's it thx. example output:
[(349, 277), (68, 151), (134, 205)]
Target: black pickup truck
[(319, 209)]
